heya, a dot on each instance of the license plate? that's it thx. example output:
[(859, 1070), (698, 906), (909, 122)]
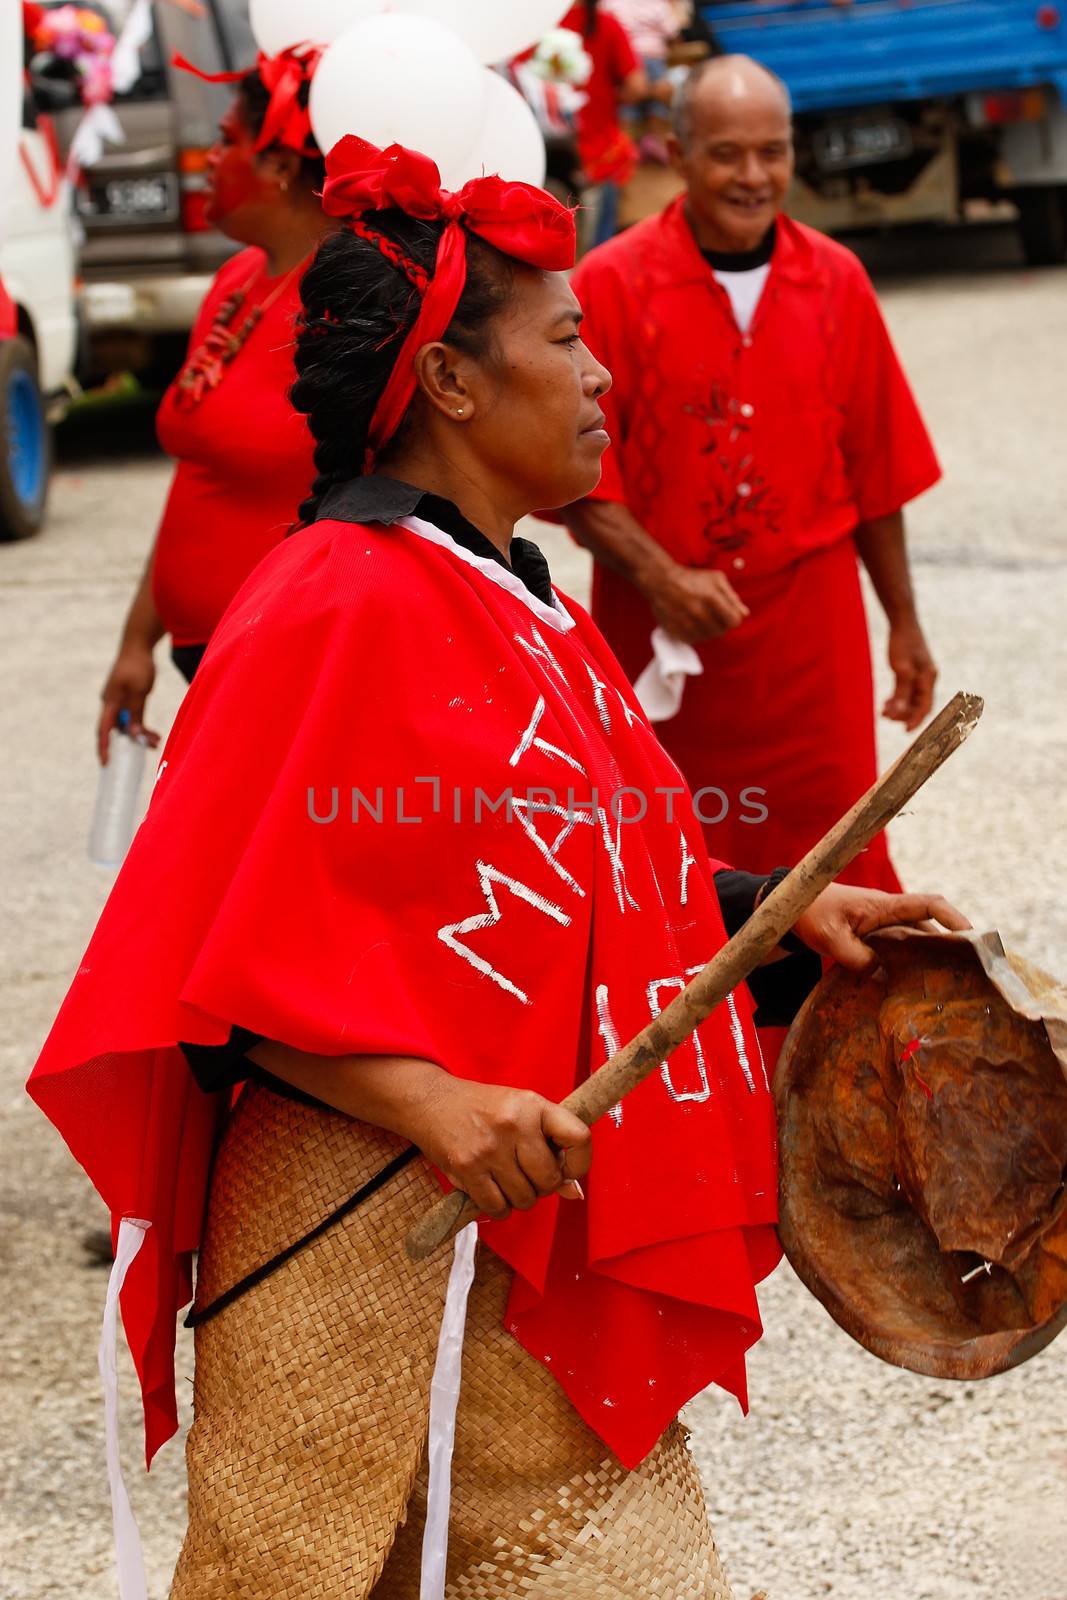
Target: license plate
[(129, 199), (859, 144)]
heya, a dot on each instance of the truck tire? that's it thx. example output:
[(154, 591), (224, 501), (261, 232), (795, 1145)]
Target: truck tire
[(25, 442), (1043, 224)]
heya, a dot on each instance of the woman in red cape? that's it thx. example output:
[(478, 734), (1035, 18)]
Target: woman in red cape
[(424, 865)]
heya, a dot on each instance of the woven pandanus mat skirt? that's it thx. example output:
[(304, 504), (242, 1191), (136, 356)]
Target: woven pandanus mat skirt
[(306, 1459)]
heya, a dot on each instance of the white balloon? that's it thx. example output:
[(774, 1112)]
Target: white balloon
[(278, 24), (399, 79), (510, 143), (496, 30)]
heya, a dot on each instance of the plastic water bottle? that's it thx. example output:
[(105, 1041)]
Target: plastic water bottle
[(115, 814)]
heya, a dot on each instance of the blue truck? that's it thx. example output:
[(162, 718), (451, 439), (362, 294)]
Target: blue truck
[(913, 110)]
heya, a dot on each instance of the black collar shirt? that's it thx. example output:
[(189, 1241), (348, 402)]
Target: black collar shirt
[(387, 500)]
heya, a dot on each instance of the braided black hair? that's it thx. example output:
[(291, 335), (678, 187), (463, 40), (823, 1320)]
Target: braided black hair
[(358, 307), (255, 101)]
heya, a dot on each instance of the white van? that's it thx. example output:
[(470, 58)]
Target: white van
[(37, 264), (149, 253)]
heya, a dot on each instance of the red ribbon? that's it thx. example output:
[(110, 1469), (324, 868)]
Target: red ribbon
[(46, 189), (518, 219), (283, 76)]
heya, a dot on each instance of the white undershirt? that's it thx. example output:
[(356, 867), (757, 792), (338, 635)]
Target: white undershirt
[(744, 289)]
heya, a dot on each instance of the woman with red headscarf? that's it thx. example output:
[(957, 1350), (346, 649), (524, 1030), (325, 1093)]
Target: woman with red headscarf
[(425, 864), (244, 457)]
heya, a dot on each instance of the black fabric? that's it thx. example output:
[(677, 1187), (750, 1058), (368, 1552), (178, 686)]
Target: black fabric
[(224, 1066), (736, 893), (743, 260), (379, 499), (187, 658), (220, 1066), (779, 989)]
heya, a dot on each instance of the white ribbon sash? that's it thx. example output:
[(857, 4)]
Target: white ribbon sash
[(444, 1402), (129, 1558)]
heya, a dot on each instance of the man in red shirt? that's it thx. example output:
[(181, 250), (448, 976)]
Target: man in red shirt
[(763, 436)]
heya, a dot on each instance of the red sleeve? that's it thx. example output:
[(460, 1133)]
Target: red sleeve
[(888, 452), (620, 53), (598, 293)]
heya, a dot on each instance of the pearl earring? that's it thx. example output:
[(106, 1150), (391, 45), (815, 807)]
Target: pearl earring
[(459, 411)]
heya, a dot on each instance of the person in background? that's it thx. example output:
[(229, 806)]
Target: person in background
[(763, 437), (244, 456), (652, 25), (605, 150)]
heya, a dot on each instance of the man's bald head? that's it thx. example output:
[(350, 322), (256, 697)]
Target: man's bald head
[(723, 85), (733, 145)]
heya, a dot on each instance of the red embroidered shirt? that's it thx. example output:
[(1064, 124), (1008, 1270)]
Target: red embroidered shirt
[(746, 451)]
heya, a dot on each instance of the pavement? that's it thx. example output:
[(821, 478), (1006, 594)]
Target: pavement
[(848, 1478)]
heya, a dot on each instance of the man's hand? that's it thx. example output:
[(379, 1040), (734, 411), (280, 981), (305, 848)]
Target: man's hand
[(690, 603), (505, 1148), (128, 686), (914, 672), (834, 924), (694, 603)]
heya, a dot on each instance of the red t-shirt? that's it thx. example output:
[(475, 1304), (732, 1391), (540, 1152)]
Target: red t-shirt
[(604, 150), (244, 460)]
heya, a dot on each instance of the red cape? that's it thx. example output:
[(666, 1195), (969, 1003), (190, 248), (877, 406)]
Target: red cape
[(517, 947)]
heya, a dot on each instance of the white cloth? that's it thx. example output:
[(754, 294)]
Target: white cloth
[(659, 688), (444, 1402), (126, 56), (100, 125), (129, 1560), (744, 289)]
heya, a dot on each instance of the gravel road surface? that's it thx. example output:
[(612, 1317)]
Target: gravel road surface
[(849, 1478)]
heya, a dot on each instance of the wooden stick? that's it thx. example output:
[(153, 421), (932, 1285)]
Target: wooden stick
[(741, 955)]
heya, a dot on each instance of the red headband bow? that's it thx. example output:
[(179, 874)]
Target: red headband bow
[(518, 219), (283, 76)]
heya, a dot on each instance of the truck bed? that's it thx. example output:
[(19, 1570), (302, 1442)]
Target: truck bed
[(876, 52)]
